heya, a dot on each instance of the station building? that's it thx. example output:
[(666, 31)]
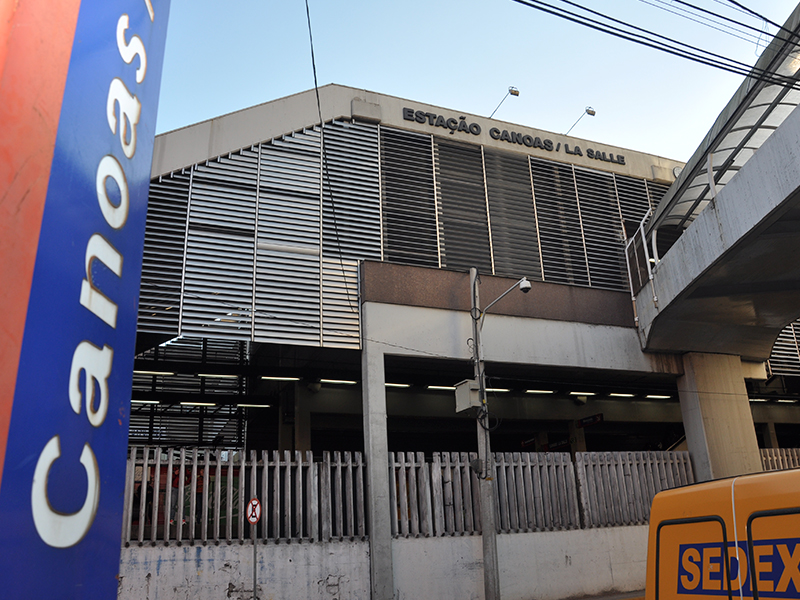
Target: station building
[(306, 286), (272, 232)]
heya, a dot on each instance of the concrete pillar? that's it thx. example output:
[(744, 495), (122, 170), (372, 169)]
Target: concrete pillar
[(302, 418), (376, 449), (286, 419), (577, 438), (541, 441), (770, 437), (716, 417)]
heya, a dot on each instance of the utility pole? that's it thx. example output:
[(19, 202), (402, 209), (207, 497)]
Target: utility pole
[(491, 573)]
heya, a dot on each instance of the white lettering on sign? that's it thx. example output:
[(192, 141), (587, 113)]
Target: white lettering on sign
[(116, 215), (130, 109), (55, 528), (96, 363), (129, 51), (98, 248)]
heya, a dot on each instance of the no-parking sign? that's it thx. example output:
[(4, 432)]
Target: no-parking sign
[(253, 511)]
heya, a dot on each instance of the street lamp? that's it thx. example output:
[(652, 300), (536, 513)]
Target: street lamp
[(511, 91), (485, 470), (587, 111)]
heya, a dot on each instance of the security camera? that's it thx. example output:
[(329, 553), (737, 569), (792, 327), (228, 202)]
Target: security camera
[(525, 285)]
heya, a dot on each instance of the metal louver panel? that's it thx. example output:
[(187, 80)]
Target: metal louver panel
[(162, 260), (196, 349), (785, 357), (287, 289), (351, 223), (340, 303), (205, 353), (187, 426), (178, 383), (409, 198), (602, 229), (563, 254), (218, 280), (655, 192), (515, 240), (633, 202), (464, 223)]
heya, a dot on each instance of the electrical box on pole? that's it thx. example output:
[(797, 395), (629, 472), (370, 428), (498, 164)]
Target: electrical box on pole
[(467, 395)]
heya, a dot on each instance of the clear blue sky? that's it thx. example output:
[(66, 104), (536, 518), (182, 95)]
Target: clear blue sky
[(225, 56)]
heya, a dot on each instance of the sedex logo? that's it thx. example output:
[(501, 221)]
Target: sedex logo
[(701, 569)]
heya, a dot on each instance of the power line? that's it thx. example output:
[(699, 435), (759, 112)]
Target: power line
[(760, 16), (718, 15), (706, 21), (697, 54), (325, 171), (646, 38), (725, 3)]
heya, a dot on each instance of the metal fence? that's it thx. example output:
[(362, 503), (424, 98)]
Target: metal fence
[(534, 492), (778, 459), (617, 488), (175, 495)]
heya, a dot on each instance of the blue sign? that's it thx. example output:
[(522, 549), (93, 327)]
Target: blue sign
[(61, 497)]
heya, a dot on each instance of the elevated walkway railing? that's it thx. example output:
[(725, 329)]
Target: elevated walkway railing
[(180, 495)]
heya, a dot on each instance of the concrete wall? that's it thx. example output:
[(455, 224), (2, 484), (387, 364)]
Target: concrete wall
[(241, 129), (544, 566), (331, 571)]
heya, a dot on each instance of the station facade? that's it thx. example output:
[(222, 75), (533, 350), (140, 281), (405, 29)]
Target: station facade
[(273, 231)]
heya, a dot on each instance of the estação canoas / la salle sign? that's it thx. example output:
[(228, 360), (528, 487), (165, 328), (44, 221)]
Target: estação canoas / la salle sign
[(512, 137)]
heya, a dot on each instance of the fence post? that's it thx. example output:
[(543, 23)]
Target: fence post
[(325, 493), (130, 467), (360, 512), (393, 506)]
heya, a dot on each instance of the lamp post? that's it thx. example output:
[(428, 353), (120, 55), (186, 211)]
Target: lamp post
[(511, 91), (491, 575), (587, 111)]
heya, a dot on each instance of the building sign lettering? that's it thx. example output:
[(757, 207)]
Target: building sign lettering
[(512, 137)]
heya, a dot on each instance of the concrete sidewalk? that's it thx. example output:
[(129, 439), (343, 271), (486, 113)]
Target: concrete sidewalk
[(636, 595)]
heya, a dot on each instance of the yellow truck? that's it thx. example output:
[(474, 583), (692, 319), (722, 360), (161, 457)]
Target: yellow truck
[(736, 538)]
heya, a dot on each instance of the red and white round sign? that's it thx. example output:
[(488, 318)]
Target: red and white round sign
[(253, 511)]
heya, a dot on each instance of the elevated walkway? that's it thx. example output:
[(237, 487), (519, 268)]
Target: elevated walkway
[(731, 282), (714, 269)]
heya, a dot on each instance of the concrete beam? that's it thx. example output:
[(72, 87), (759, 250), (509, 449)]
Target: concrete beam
[(429, 332), (550, 407)]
